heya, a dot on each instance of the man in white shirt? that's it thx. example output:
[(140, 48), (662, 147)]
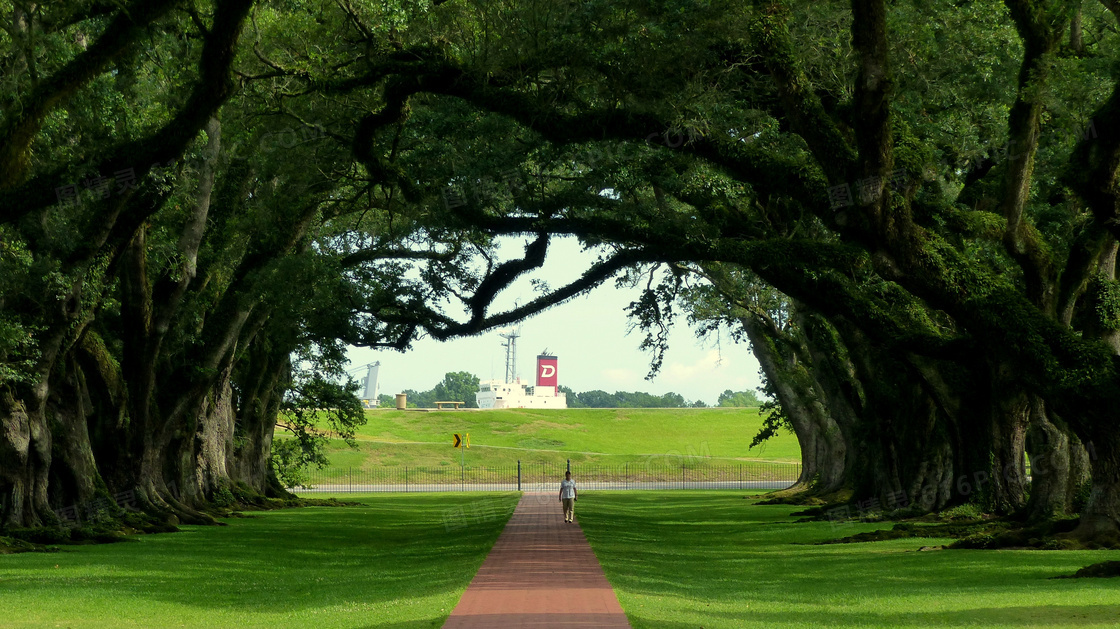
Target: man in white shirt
[(568, 497)]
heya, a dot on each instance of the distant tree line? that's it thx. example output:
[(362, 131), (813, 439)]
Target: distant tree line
[(461, 386), (638, 399), (456, 386), (627, 399)]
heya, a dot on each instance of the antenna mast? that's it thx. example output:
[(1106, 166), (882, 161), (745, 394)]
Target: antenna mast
[(511, 353)]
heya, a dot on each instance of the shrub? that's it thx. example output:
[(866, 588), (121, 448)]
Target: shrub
[(969, 511)]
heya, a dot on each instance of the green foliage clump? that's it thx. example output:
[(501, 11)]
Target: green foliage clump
[(291, 460), (221, 495), (774, 416), (1081, 496), (977, 541), (1104, 300), (968, 511), (456, 386), (321, 395)]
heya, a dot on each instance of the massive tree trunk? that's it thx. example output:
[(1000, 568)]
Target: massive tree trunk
[(25, 458), (26, 440), (1004, 439), (213, 444), (107, 425), (904, 436), (1100, 519), (265, 376), (835, 379), (75, 478), (1059, 465), (822, 446)]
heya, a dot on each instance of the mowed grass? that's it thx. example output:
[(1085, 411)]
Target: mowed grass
[(713, 559), (396, 561), (602, 436)]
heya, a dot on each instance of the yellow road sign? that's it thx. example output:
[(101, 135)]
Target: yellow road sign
[(462, 440), (467, 440), (458, 440)]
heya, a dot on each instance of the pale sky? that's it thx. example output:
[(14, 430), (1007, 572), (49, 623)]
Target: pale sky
[(588, 335)]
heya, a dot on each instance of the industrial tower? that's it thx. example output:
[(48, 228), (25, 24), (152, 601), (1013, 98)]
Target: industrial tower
[(511, 353)]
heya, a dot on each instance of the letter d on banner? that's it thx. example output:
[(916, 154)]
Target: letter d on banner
[(546, 371)]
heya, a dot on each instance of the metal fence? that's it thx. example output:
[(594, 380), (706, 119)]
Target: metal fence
[(539, 476)]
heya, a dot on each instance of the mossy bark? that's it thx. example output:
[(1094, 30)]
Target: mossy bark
[(822, 447), (261, 383), (25, 458)]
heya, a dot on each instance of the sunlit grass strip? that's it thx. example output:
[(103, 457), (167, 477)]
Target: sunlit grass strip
[(593, 436)]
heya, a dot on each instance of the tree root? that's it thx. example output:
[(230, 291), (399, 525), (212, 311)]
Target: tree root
[(985, 533), (150, 518), (1103, 570), (807, 496), (1093, 533), (12, 545)]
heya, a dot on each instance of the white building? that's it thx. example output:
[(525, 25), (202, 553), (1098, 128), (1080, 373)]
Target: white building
[(515, 394), (499, 394)]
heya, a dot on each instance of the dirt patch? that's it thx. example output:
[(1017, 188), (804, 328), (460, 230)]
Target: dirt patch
[(536, 443), (540, 424)]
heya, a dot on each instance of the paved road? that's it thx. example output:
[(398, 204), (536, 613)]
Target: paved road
[(541, 574), (542, 487)]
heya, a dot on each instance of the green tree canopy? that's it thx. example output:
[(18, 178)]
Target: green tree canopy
[(910, 210), (738, 398), (458, 386)]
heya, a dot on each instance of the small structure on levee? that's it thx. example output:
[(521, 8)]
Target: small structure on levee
[(510, 392), (372, 390)]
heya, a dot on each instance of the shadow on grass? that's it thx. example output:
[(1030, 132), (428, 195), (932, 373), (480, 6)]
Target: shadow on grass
[(715, 559), (392, 548), (1020, 616)]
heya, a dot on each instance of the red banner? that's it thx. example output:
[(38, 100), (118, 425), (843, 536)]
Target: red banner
[(546, 371)]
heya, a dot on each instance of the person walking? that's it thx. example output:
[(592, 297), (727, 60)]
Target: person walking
[(568, 497)]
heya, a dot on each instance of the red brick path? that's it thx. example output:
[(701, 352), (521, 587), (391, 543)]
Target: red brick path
[(540, 574)]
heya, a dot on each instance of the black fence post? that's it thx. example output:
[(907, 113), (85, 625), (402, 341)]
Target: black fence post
[(518, 474), (569, 465)]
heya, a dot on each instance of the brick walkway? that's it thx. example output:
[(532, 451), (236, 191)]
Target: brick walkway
[(540, 574)]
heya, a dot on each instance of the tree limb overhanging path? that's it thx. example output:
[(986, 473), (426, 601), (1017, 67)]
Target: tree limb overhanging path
[(542, 574)]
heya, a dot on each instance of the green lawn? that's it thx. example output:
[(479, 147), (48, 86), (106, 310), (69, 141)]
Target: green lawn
[(676, 559), (712, 559), (602, 436), (397, 561)]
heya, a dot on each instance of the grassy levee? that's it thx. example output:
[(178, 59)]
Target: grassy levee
[(598, 436), (397, 561), (714, 560)]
